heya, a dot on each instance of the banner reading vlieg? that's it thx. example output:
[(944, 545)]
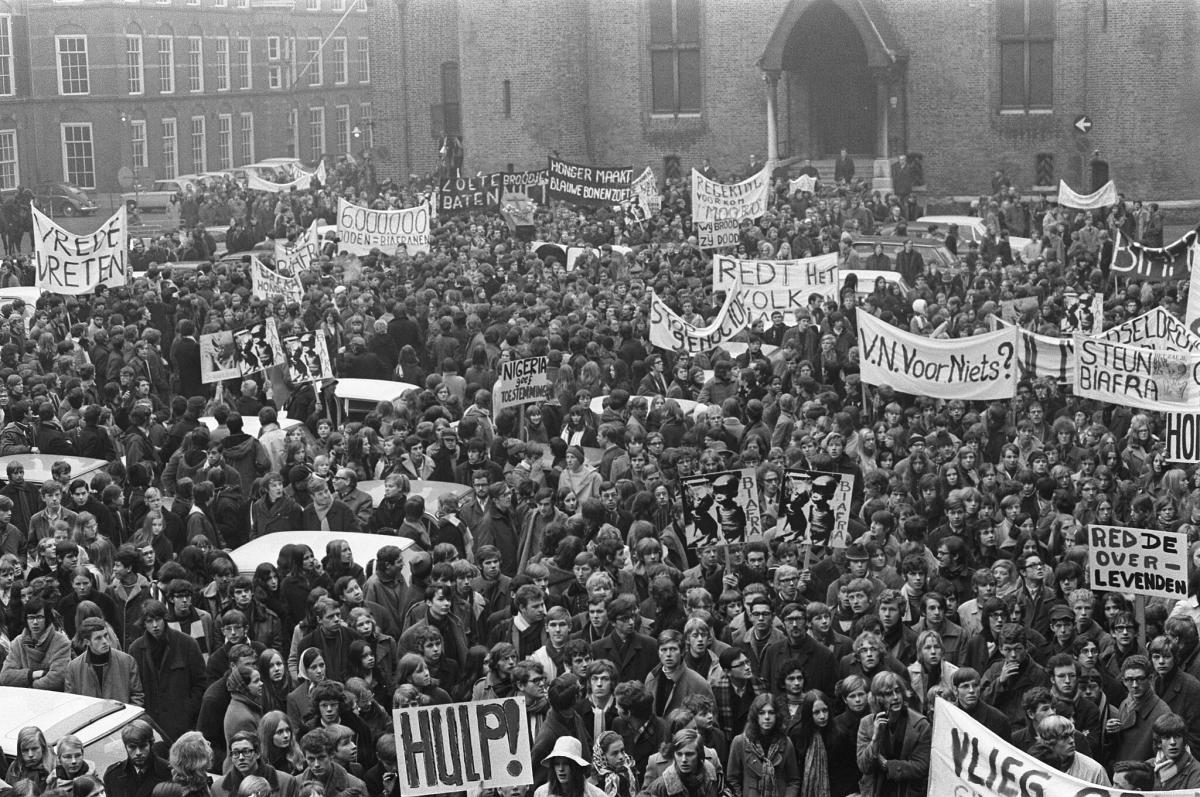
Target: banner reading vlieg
[(669, 331), (71, 264), (470, 194), (722, 202), (588, 185), (771, 286), (301, 183), (1136, 376), (362, 229), (977, 367), (266, 282)]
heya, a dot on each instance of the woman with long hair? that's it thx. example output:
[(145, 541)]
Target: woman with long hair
[(190, 759), (34, 762), (302, 576), (931, 668), (339, 561), (814, 742), (363, 664), (245, 685), (612, 767), (279, 742), (568, 771), (277, 682), (413, 669), (100, 550), (384, 648), (266, 587), (762, 760)]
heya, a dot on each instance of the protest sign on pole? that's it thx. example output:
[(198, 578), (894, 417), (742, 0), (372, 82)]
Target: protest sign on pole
[(448, 748), (1157, 328), (218, 357), (815, 508), (524, 381), (1084, 313), (720, 507), (1155, 263), (293, 258), (1182, 437), (71, 264), (255, 350), (1145, 562), (770, 286), (266, 282), (306, 354), (805, 184), (302, 182), (971, 368), (669, 331), (531, 184), (1136, 376), (470, 194), (726, 203), (588, 185), (362, 229), (645, 192)]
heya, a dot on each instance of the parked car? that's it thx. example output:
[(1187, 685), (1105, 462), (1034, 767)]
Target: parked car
[(970, 228), (63, 199), (159, 199), (866, 281), (364, 546), (37, 468), (931, 250)]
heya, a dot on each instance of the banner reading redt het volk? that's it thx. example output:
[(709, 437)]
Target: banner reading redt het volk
[(71, 264), (717, 208), (770, 286), (362, 229), (588, 185), (972, 368), (448, 748), (523, 381)]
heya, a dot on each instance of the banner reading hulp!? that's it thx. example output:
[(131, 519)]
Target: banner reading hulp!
[(1136, 376), (362, 229), (971, 368), (71, 264), (669, 331), (588, 185), (728, 204), (449, 748), (771, 286)]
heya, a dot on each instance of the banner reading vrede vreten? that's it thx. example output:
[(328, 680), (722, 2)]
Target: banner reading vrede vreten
[(589, 185), (71, 264), (1136, 376), (669, 331), (362, 229), (447, 748), (972, 368), (783, 286), (469, 194)]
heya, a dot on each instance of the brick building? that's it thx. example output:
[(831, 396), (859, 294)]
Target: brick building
[(177, 86), (969, 85)]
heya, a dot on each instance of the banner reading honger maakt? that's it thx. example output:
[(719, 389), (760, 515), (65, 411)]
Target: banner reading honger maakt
[(588, 185)]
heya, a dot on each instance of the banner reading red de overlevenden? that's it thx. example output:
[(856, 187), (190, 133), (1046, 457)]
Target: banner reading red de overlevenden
[(589, 185)]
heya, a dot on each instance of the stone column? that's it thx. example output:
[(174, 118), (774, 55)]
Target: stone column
[(771, 76), (881, 170)]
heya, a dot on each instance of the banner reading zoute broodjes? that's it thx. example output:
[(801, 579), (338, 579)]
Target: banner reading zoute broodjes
[(362, 229), (972, 368), (70, 264)]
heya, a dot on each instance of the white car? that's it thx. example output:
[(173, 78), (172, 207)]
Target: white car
[(361, 395), (970, 228), (364, 546)]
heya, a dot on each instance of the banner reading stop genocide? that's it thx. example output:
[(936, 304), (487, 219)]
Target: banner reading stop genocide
[(1142, 561)]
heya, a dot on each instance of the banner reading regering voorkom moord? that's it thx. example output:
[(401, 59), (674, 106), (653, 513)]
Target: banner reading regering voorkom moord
[(718, 208)]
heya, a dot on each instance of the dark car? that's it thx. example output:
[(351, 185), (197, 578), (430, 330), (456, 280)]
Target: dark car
[(63, 199), (931, 250)]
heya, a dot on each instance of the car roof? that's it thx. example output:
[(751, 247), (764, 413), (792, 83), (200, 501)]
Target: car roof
[(37, 466), (962, 221), (250, 424), (371, 389), (928, 243), (431, 491), (59, 714), (266, 548)]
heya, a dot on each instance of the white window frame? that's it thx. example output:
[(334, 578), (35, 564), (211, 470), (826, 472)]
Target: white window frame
[(243, 3), (170, 156), (221, 4), (274, 62), (10, 146), (62, 137), (6, 58), (246, 136), (312, 5), (341, 61), (225, 140), (364, 60), (224, 80), (316, 131), (199, 136), (316, 65), (137, 144), (59, 40), (366, 119), (342, 128), (168, 70), (195, 64), (245, 48), (135, 73)]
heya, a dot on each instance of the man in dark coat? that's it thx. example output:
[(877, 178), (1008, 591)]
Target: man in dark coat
[(326, 513), (496, 528), (172, 671), (634, 654), (561, 720), (185, 355), (818, 662), (141, 770)]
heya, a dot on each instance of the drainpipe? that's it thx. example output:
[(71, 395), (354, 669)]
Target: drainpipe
[(401, 8)]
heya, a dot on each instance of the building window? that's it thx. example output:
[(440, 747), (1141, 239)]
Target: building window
[(243, 3), (7, 89), (289, 60), (1026, 55), (245, 78), (316, 133), (339, 5), (451, 100), (73, 69), (341, 123), (199, 145), (675, 56), (313, 5), (195, 63), (364, 60), (506, 98), (314, 61), (274, 62), (293, 131), (247, 138), (170, 149), (225, 141), (222, 63), (221, 4), (10, 171), (366, 120), (341, 62), (137, 143), (79, 163), (133, 63), (166, 65)]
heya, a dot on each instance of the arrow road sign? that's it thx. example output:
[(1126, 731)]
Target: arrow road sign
[(1082, 123)]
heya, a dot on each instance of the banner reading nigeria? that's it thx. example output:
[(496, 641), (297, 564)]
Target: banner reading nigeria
[(588, 185)]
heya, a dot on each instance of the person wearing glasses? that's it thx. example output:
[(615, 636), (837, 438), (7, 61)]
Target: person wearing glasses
[(817, 661), (1134, 725), (1033, 596), (245, 762)]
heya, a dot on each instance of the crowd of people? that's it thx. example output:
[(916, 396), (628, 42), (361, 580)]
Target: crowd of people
[(760, 669)]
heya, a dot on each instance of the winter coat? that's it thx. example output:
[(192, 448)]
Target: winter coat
[(248, 458), (174, 684), (747, 771), (906, 773), (267, 517), (121, 680), (52, 653)]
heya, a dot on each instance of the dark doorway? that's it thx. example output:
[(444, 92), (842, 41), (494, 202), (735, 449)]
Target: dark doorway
[(831, 93)]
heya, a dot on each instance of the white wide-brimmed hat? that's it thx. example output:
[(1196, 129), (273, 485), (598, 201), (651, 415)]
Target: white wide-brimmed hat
[(567, 747)]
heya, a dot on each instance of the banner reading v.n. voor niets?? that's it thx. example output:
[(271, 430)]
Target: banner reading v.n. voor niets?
[(980, 367)]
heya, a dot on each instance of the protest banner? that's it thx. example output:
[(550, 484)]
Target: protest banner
[(524, 381), (362, 229), (1131, 259), (293, 258), (815, 508), (1154, 329), (588, 185), (71, 265), (645, 192), (1142, 561), (1182, 437), (727, 203), (470, 194), (306, 354), (971, 368), (218, 357), (1191, 315), (669, 331), (255, 350), (266, 282), (1104, 197), (448, 748), (531, 184), (302, 182), (720, 507), (1136, 376), (769, 286), (1012, 310), (1084, 313), (568, 256), (805, 184)]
